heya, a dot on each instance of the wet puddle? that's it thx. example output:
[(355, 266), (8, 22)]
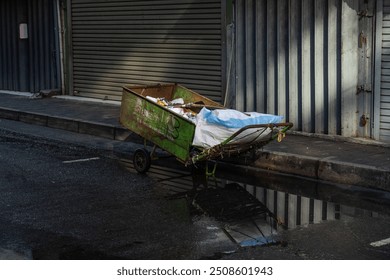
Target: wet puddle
[(253, 209)]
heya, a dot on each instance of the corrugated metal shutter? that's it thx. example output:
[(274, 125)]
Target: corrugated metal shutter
[(384, 133), (118, 42), (299, 59), (30, 64), (288, 61), (9, 69)]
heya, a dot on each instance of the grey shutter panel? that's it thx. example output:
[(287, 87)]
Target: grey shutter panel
[(118, 42), (385, 85)]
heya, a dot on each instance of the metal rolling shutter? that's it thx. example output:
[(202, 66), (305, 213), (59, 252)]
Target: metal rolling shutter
[(32, 63), (385, 84), (117, 42)]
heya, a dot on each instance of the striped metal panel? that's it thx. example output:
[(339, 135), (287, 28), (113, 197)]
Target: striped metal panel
[(294, 210), (384, 133), (9, 69), (117, 42), (289, 61), (31, 64)]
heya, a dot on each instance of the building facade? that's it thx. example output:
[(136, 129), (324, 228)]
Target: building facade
[(322, 64)]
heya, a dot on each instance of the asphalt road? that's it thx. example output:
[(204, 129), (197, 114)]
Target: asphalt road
[(69, 202), (54, 208)]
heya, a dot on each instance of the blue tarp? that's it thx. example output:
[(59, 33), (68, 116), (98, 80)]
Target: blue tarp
[(236, 119)]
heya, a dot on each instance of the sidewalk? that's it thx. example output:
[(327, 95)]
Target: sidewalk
[(334, 159)]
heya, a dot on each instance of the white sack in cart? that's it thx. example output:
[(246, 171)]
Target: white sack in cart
[(215, 126)]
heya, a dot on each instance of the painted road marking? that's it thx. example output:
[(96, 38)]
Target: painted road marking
[(81, 160), (380, 242)]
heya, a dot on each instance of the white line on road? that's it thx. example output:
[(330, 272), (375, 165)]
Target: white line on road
[(380, 242), (81, 160)]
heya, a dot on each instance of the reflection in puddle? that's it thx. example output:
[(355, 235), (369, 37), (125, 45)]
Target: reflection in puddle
[(238, 215), (312, 207), (293, 201), (245, 220)]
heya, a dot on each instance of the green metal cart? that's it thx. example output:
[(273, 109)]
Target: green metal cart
[(174, 132)]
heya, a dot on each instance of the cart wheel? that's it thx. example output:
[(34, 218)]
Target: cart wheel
[(141, 160)]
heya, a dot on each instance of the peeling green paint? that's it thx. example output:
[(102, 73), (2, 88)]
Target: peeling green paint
[(168, 130)]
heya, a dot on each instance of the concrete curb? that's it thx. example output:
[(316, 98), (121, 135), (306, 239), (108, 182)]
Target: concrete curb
[(325, 169), (75, 125)]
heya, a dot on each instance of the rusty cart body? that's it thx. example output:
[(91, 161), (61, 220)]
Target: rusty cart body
[(173, 132)]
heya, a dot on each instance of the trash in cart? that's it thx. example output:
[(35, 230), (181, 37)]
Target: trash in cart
[(192, 127)]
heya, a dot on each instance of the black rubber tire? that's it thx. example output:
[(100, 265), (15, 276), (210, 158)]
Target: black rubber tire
[(141, 160)]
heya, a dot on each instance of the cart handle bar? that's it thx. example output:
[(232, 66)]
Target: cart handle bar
[(286, 126)]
